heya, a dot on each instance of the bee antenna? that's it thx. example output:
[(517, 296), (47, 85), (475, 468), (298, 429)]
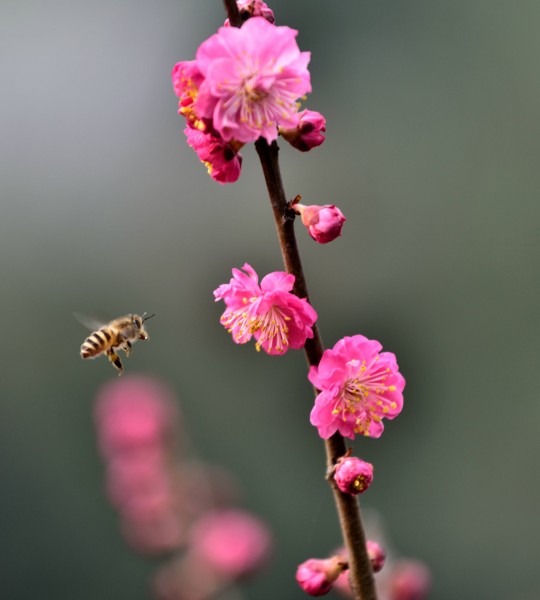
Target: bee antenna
[(145, 318)]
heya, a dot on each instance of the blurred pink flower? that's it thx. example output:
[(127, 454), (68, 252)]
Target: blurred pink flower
[(233, 543), (324, 223), (270, 312), (253, 77), (409, 580), (353, 475), (132, 414), (308, 132), (376, 554), (220, 158), (316, 576), (360, 385)]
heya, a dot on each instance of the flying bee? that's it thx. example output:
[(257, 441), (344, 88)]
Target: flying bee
[(119, 334)]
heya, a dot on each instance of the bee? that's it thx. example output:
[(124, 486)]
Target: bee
[(119, 334)]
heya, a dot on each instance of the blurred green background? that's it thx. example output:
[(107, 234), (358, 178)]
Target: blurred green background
[(432, 152)]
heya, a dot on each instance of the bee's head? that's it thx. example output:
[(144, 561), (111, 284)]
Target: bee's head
[(138, 325)]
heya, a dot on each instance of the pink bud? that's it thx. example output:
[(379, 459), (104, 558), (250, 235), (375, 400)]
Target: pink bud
[(308, 133), (409, 580), (353, 475), (316, 576), (324, 223), (376, 554)]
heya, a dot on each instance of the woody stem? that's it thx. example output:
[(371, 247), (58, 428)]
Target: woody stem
[(360, 572)]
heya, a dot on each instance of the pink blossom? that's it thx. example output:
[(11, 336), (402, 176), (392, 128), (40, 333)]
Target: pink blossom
[(376, 555), (269, 312), (219, 157), (409, 580), (360, 385), (324, 223), (308, 133), (316, 576), (186, 79), (253, 77), (353, 475), (253, 8), (133, 414), (233, 543)]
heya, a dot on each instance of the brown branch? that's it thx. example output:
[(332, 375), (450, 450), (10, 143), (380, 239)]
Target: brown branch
[(233, 13), (360, 572)]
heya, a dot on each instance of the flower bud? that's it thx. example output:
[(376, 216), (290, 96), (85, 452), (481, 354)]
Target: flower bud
[(308, 133), (353, 475), (376, 555), (324, 223), (316, 576)]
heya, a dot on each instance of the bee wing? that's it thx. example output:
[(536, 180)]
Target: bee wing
[(89, 322)]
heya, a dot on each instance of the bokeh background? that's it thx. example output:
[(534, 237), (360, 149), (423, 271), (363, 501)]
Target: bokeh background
[(433, 150)]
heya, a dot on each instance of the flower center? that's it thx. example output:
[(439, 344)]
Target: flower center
[(363, 395), (271, 325)]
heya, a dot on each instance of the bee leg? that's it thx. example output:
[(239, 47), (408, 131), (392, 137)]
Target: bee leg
[(115, 359), (126, 347)]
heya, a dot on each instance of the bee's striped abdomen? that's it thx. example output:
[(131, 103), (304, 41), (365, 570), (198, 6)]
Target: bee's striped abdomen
[(96, 343)]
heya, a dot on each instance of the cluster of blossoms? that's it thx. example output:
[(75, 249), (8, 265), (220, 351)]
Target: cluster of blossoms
[(168, 505), (244, 84), (403, 579), (317, 576)]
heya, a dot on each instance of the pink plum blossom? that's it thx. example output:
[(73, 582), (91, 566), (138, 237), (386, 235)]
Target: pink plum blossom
[(232, 542), (186, 79), (253, 8), (409, 580), (316, 576), (219, 157), (253, 77), (353, 475), (324, 223), (269, 312), (308, 133), (359, 386)]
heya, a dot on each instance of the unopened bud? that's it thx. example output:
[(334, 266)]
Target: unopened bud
[(353, 475), (308, 133), (324, 223), (316, 576)]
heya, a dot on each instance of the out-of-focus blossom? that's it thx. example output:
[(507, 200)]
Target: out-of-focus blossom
[(409, 580), (133, 414), (308, 133), (253, 77), (253, 8), (324, 223), (353, 475), (136, 420), (359, 386), (316, 576), (221, 158), (376, 554), (233, 543), (269, 312)]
